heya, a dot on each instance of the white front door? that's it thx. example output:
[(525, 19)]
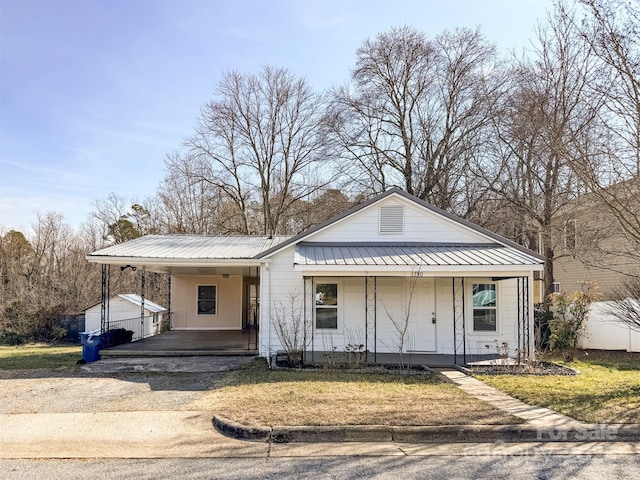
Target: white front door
[(419, 293)]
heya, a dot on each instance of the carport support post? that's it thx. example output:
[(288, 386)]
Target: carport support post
[(105, 294), (142, 275), (168, 323)]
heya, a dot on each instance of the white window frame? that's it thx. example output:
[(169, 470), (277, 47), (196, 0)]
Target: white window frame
[(339, 307), (198, 300), (470, 308)]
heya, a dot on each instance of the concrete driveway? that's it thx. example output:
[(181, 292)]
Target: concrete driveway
[(120, 407)]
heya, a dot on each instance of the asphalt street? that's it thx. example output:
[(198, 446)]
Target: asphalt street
[(528, 467)]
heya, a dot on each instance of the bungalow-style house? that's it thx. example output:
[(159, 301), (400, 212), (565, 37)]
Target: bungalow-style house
[(392, 274)]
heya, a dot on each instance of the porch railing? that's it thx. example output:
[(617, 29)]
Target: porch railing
[(130, 330)]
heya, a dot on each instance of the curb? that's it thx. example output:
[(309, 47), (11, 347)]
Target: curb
[(427, 434)]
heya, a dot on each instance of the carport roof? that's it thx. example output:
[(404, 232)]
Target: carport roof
[(188, 247)]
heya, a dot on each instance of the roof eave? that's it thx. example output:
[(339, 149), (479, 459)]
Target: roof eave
[(174, 262), (415, 270)]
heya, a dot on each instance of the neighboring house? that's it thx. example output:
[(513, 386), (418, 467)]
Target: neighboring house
[(125, 311), (592, 245), (359, 278)]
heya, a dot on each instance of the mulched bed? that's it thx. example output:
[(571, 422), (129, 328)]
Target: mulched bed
[(538, 368)]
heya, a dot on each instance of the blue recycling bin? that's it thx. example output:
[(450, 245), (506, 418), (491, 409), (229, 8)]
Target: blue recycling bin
[(90, 346)]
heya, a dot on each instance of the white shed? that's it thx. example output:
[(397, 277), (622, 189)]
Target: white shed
[(124, 311)]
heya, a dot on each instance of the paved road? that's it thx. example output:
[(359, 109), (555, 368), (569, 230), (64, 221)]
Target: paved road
[(333, 467)]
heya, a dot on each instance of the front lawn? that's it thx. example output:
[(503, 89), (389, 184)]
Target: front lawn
[(606, 391), (256, 395), (38, 356)]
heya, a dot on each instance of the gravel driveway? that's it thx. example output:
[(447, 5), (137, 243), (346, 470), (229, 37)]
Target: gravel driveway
[(117, 385)]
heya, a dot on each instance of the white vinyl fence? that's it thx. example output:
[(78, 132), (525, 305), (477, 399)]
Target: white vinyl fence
[(606, 333)]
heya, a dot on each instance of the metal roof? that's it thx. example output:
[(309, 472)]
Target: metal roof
[(137, 300), (190, 247), (411, 254)]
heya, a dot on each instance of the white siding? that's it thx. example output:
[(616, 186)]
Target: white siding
[(120, 309), (278, 282), (421, 225), (391, 302)]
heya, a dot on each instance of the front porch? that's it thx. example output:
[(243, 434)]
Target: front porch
[(187, 343)]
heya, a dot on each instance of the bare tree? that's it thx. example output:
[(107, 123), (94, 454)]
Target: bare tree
[(261, 142), (540, 126), (290, 327), (626, 306), (611, 30), (414, 114)]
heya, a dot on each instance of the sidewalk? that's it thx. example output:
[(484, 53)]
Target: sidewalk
[(539, 417)]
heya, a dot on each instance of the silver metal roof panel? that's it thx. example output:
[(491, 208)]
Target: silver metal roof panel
[(309, 253), (191, 247)]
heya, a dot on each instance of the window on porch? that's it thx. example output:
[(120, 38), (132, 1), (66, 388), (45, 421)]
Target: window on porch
[(485, 308), (207, 299), (327, 306)]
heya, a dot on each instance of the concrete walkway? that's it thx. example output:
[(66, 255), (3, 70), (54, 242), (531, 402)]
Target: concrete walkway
[(539, 417)]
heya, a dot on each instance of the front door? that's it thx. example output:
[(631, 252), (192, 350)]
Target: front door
[(419, 293)]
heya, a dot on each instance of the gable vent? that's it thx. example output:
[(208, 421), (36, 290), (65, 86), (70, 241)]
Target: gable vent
[(392, 219)]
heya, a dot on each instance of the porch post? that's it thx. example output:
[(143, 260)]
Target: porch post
[(105, 294), (142, 285), (169, 302), (371, 317), (308, 306), (459, 321), (527, 316), (520, 343)]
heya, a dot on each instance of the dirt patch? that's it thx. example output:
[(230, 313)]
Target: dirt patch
[(118, 386)]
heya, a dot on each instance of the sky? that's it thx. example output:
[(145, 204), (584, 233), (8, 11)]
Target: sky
[(95, 93)]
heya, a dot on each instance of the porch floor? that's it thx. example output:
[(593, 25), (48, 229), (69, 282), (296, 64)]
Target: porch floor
[(182, 343)]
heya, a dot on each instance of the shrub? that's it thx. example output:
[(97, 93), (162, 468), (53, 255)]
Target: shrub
[(8, 337), (571, 312), (39, 325)]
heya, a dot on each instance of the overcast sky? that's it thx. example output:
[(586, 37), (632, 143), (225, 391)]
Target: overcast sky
[(93, 94)]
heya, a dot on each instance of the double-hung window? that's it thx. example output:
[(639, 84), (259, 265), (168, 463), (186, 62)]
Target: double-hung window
[(207, 299), (327, 306), (485, 307)]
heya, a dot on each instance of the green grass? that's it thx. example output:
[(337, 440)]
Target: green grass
[(256, 395), (38, 356), (607, 390)]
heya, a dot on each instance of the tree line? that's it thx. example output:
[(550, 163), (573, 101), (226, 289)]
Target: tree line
[(505, 141)]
